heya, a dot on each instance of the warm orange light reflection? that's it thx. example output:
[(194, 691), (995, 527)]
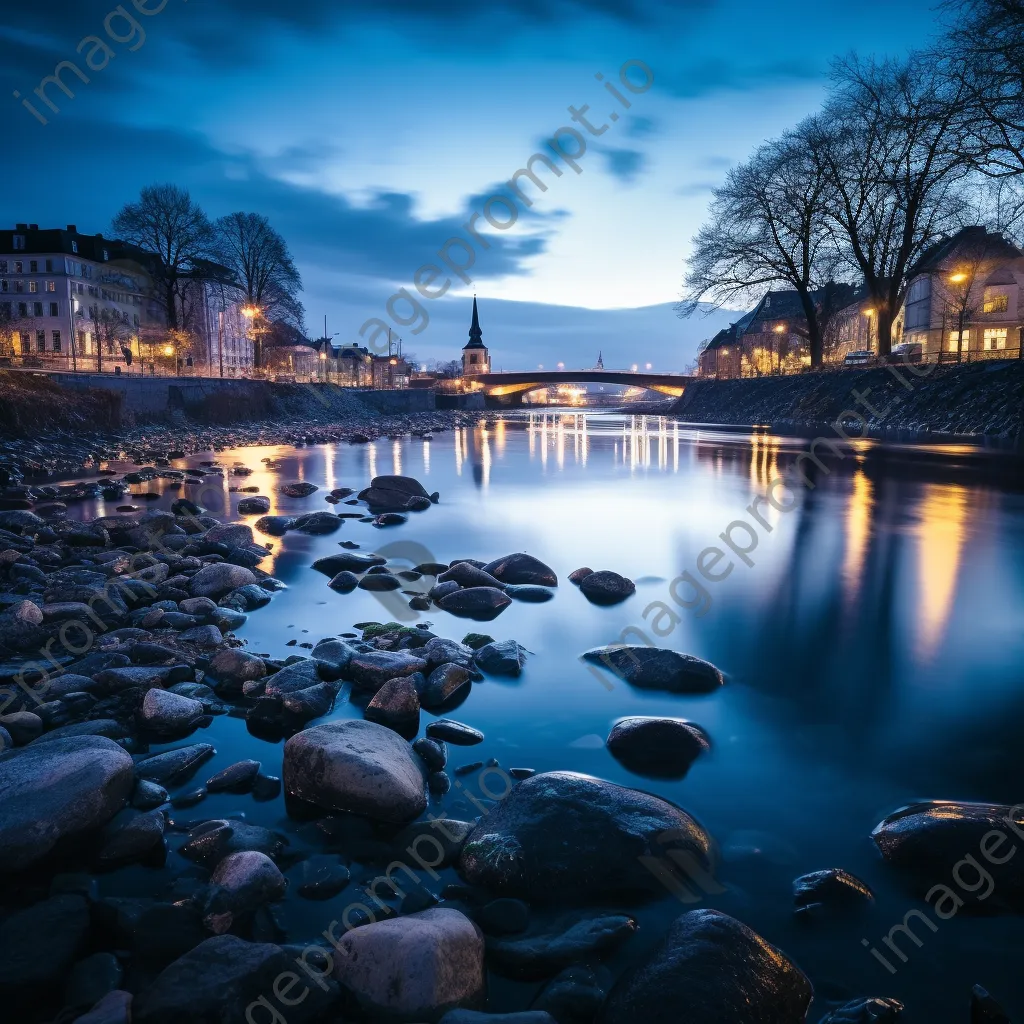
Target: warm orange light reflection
[(940, 535), (858, 530)]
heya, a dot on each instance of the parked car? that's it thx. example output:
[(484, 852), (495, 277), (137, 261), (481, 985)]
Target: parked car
[(908, 352), (861, 357)]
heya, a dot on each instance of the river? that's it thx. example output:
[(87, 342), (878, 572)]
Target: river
[(873, 654)]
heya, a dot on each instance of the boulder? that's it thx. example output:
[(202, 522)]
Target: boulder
[(218, 579), (414, 967), (501, 658), (831, 889), (570, 837), (880, 1011), (443, 683), (395, 494), (298, 490), (166, 712), (220, 980), (380, 582), (347, 561), (231, 535), (240, 883), (59, 927), (114, 1008), (20, 626), (317, 523), (131, 835), (236, 778), (332, 657), (344, 583), (522, 568), (655, 668), (454, 732), (211, 841), (926, 841), (257, 505), (355, 766), (467, 575), (274, 526), (49, 791), (174, 766), (230, 669), (719, 970), (291, 678), (371, 671), (311, 702), (606, 587), (578, 575), (657, 747), (396, 705), (480, 603)]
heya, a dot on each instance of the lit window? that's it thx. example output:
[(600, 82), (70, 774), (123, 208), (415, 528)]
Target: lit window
[(995, 338), (995, 302), (954, 341), (26, 343), (106, 254), (51, 286), (56, 341), (33, 287)]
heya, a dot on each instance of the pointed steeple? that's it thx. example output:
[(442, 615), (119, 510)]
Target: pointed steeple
[(475, 334), (600, 362)]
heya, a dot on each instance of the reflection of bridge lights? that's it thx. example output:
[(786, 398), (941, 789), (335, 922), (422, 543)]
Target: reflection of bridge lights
[(648, 366), (634, 367), (561, 366)]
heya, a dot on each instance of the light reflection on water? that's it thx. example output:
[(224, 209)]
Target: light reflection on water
[(874, 650)]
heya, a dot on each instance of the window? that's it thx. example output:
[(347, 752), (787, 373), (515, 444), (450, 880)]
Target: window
[(22, 309), (5, 309), (49, 266), (19, 267), (19, 241), (4, 286), (19, 286), (33, 266), (56, 341), (995, 302), (3, 266), (954, 341), (135, 319), (40, 341), (994, 338), (51, 286), (74, 245), (85, 338), (81, 289), (37, 309), (33, 287), (26, 343), (106, 254), (54, 309)]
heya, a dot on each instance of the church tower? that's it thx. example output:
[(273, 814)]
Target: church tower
[(475, 358)]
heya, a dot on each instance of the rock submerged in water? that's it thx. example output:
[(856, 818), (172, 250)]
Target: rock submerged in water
[(254, 506), (356, 766), (298, 489), (562, 836), (480, 603), (347, 561), (501, 658), (927, 840), (66, 787), (657, 747), (832, 890), (655, 668), (521, 568), (395, 494), (719, 970), (869, 1011), (413, 967), (606, 587)]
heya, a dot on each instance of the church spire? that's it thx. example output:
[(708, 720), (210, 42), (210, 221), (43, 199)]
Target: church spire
[(475, 334), (600, 362)]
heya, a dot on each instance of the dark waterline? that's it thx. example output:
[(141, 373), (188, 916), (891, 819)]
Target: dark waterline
[(873, 652)]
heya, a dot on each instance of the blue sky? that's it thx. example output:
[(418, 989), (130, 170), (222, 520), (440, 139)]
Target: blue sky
[(369, 133)]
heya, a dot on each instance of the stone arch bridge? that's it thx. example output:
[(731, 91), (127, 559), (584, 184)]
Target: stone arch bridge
[(509, 388)]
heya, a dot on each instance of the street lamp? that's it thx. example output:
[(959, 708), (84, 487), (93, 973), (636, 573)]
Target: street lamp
[(323, 364), (250, 313)]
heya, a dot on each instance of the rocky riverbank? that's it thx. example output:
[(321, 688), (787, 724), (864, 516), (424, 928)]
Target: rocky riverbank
[(983, 399), (124, 899)]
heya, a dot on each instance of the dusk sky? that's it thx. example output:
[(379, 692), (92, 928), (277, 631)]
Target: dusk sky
[(369, 133)]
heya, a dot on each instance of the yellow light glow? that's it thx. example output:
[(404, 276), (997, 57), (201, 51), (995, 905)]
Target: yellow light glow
[(323, 355), (780, 329), (870, 311), (958, 277), (250, 311), (168, 350), (394, 362)]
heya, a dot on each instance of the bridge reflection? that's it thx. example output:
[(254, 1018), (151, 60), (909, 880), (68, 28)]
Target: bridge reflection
[(509, 388)]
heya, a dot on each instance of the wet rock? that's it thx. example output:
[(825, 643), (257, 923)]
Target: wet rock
[(396, 705), (236, 778), (529, 593), (657, 747), (347, 561), (501, 658), (438, 842), (606, 587), (169, 713), (246, 598), (297, 490), (504, 916), (577, 576), (454, 732), (413, 967), (441, 651), (433, 752), (564, 836), (345, 582), (395, 494), (309, 703), (217, 981), (93, 979), (131, 836), (57, 927), (867, 1011), (108, 727), (275, 526), (317, 523), (720, 970), (655, 668), (231, 669), (574, 997), (211, 841), (544, 953), (467, 575), (174, 766), (480, 603), (200, 607), (323, 878), (255, 506), (926, 841), (20, 626), (371, 671), (218, 579), (240, 883), (49, 791), (984, 1009), (355, 766), (290, 679), (266, 787), (833, 889), (332, 657), (380, 582), (113, 1008), (443, 683), (521, 568), (389, 519), (148, 795), (231, 535), (438, 783), (22, 726)]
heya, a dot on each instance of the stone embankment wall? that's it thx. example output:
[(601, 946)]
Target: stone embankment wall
[(984, 398)]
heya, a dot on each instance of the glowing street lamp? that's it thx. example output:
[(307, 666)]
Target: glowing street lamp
[(635, 368), (647, 366), (958, 278)]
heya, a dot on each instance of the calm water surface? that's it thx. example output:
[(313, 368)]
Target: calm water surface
[(874, 655)]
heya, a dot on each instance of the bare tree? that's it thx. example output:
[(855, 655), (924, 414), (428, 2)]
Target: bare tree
[(110, 329), (769, 225), (984, 53), (891, 142), (166, 222), (262, 266)]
